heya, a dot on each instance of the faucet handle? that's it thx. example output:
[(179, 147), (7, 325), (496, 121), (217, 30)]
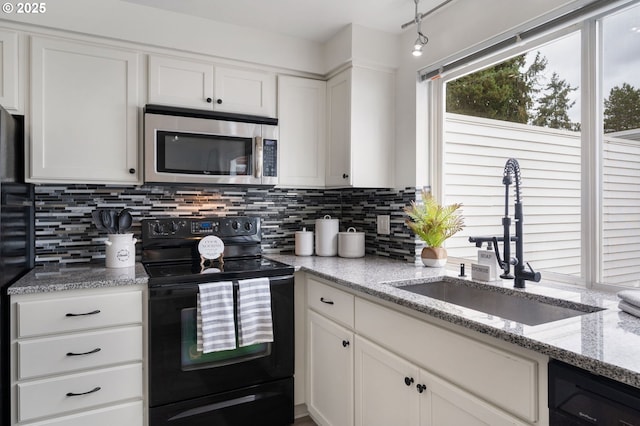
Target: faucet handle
[(532, 275)]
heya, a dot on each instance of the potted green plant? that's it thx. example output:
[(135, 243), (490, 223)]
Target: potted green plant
[(433, 224)]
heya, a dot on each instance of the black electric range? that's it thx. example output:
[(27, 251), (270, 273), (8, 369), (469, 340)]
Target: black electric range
[(247, 385)]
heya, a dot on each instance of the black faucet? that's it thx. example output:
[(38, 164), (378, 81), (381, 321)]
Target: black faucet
[(511, 171)]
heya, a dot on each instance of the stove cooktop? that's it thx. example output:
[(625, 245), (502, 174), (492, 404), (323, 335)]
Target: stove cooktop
[(232, 269)]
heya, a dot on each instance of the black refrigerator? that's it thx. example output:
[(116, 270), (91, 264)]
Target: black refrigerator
[(17, 234)]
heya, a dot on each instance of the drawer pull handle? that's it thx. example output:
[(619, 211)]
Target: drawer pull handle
[(97, 311), (96, 389), (327, 301), (83, 353), (408, 381)]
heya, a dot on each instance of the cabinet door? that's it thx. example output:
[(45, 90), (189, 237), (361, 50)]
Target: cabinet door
[(245, 92), (339, 130), (301, 112), (385, 387), (129, 414), (330, 372), (9, 87), (84, 102), (446, 405), (372, 128), (178, 82)]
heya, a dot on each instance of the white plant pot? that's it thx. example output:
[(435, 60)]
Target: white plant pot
[(434, 257)]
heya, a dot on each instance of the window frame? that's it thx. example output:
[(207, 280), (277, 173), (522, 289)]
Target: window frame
[(592, 135)]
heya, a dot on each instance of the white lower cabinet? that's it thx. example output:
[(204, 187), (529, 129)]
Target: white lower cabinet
[(446, 405), (392, 391), (370, 365), (385, 389), (330, 371), (76, 358), (120, 415)]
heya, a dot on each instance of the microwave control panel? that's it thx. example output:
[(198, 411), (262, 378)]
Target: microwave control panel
[(270, 158)]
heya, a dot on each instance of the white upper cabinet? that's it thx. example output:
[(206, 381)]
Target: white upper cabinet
[(246, 92), (301, 111), (201, 85), (84, 104), (360, 134), (180, 83), (9, 80)]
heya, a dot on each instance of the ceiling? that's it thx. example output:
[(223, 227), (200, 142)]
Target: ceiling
[(316, 20)]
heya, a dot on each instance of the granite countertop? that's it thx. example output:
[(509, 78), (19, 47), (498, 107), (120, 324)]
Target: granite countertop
[(605, 342), (51, 278)]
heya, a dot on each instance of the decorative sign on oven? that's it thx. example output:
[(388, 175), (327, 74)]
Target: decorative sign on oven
[(210, 247)]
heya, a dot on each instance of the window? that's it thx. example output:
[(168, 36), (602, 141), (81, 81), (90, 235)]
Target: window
[(620, 166), (579, 155)]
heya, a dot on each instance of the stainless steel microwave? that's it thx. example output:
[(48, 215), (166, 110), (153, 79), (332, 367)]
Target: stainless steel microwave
[(191, 146)]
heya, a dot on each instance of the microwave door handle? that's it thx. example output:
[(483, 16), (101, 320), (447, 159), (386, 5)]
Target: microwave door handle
[(258, 157)]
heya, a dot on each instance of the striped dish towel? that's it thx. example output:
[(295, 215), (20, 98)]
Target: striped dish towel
[(215, 329), (255, 324)]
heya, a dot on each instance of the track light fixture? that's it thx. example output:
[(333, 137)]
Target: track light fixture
[(422, 39)]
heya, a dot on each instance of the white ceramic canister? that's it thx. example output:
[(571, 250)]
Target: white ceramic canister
[(351, 243), (327, 236), (304, 242), (121, 250)]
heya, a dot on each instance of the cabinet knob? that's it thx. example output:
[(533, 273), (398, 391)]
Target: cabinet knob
[(408, 381), (421, 388), (132, 171), (345, 176), (209, 100), (219, 101), (345, 343)]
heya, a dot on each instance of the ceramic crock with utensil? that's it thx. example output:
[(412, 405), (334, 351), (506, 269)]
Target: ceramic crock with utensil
[(351, 243), (304, 243), (327, 236), (120, 251)]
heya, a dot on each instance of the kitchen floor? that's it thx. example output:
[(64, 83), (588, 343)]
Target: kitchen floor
[(304, 421)]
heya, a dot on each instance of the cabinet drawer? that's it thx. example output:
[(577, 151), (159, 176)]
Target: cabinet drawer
[(330, 302), (78, 313), (502, 378), (50, 397), (95, 349), (130, 414)]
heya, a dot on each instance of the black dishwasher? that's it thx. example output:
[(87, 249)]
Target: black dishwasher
[(577, 397)]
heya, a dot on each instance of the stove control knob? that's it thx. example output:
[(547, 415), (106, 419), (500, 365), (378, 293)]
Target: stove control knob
[(248, 226), (174, 227), (235, 225)]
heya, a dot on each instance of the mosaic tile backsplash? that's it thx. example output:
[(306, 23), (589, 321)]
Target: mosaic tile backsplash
[(65, 232)]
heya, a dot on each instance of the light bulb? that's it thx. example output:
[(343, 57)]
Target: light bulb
[(417, 50)]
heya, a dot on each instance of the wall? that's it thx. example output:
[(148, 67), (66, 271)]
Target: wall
[(65, 232), (119, 20)]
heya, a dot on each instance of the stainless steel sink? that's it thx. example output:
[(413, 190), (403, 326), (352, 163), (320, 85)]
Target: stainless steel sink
[(504, 303)]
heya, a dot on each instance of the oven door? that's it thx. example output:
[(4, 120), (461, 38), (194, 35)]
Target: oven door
[(177, 372)]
